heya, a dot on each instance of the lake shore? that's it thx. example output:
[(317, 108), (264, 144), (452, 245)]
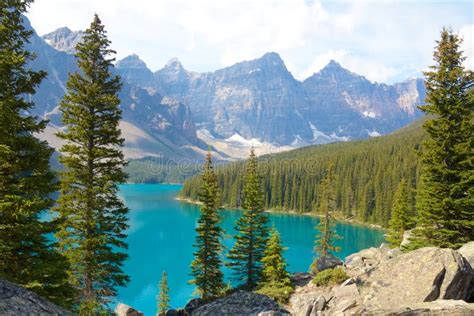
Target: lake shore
[(292, 212)]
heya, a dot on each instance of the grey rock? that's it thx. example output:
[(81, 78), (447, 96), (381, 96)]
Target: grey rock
[(426, 281), (239, 303), (193, 304), (316, 306), (467, 251), (319, 304), (16, 300), (422, 275), (301, 278), (344, 305), (328, 262)]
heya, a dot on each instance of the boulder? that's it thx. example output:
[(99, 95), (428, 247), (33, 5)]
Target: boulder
[(467, 251), (16, 300), (363, 262), (423, 275), (125, 310), (240, 303), (327, 262), (193, 304), (315, 306), (301, 278), (303, 299)]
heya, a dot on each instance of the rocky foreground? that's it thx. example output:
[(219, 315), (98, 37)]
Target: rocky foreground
[(15, 301), (383, 281), (427, 281)]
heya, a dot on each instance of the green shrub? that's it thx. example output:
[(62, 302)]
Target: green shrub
[(280, 293), (330, 277)]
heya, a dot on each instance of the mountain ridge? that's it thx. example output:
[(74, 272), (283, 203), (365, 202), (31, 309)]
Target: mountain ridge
[(259, 99)]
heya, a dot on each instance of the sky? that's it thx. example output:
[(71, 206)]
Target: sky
[(386, 41)]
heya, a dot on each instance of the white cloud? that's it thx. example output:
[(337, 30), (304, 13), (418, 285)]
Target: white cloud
[(384, 41)]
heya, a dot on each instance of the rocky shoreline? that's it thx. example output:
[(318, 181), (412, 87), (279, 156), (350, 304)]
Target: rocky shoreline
[(382, 281)]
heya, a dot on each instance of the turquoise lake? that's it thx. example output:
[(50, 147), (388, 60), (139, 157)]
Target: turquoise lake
[(161, 238)]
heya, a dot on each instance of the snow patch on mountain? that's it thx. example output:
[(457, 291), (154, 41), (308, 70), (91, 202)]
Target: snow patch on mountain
[(238, 147), (236, 138), (369, 114), (322, 138)]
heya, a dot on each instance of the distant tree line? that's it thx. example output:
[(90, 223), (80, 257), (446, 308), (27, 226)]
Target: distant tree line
[(367, 176), (156, 170)]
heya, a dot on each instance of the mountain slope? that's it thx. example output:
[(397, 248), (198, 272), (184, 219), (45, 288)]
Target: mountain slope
[(252, 103), (152, 124), (261, 99), (367, 172)]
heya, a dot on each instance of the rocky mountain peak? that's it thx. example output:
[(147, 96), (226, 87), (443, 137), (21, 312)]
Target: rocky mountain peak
[(131, 62), (63, 39), (268, 61), (333, 68), (174, 64), (272, 57)]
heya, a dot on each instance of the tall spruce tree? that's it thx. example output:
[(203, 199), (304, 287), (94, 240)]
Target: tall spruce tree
[(252, 231), (445, 201), (93, 218), (206, 267), (163, 298), (326, 227), (275, 281), (402, 215), (27, 255)]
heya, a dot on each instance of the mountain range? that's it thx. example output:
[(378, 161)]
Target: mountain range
[(176, 113)]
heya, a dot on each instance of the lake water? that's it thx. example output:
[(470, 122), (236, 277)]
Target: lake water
[(161, 238)]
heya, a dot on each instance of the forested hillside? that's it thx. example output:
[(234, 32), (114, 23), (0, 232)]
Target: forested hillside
[(153, 170), (367, 175)]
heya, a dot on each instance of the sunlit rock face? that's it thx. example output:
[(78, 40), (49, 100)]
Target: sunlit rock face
[(257, 102)]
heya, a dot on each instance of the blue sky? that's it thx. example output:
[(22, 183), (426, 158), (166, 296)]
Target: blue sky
[(386, 41)]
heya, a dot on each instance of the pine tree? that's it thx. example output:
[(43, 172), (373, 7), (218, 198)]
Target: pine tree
[(402, 218), (326, 227), (275, 281), (27, 255), (445, 201), (252, 232), (163, 297), (206, 267), (93, 218)]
